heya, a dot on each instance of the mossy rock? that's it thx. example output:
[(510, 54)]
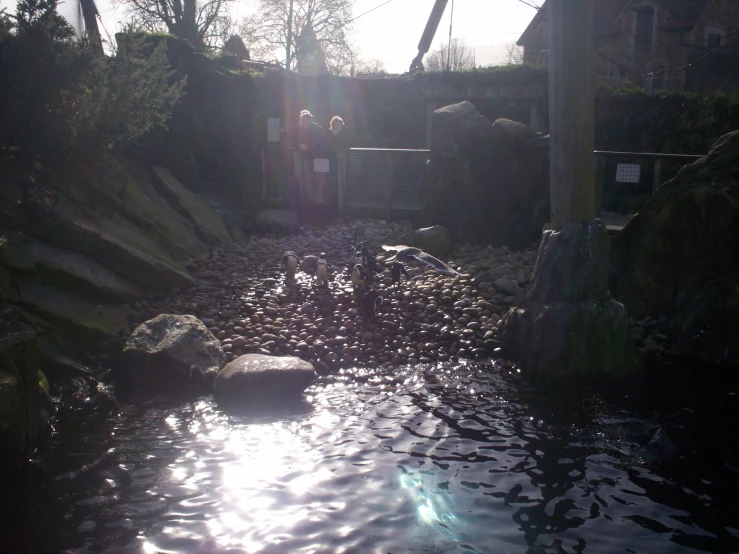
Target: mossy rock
[(75, 317), (678, 256), (24, 389), (208, 224)]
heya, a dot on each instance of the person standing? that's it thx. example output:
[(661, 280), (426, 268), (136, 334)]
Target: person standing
[(337, 140), (310, 140), (337, 136)]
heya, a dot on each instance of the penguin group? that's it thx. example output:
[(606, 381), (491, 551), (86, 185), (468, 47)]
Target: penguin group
[(363, 269)]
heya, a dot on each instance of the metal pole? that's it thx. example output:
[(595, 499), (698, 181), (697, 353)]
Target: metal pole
[(289, 35), (449, 46)]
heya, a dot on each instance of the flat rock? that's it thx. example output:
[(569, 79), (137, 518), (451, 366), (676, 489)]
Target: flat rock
[(260, 379), (435, 240), (68, 270)]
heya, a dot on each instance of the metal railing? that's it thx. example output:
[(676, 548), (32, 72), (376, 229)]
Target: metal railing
[(626, 180), (383, 180), (364, 180)]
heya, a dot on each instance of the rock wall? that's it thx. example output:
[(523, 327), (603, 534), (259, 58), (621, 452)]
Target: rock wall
[(80, 244), (215, 137), (489, 184), (678, 256)]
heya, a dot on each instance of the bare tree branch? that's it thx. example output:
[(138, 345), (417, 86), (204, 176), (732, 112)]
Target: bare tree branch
[(198, 21), (265, 34), (461, 57)]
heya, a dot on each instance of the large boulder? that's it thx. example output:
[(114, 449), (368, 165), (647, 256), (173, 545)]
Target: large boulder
[(172, 352), (278, 222), (678, 256), (489, 183), (259, 379), (569, 326), (435, 240)]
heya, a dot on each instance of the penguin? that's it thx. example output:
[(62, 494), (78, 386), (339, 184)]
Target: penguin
[(322, 272), (396, 270), (309, 264), (405, 253), (370, 302), (291, 261), (359, 261), (369, 259), (358, 275)]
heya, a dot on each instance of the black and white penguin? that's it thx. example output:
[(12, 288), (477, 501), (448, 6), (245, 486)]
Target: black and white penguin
[(309, 264), (396, 270), (291, 261), (370, 262), (370, 302), (358, 273), (322, 273)]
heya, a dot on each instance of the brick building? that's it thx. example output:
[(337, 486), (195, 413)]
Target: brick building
[(657, 44)]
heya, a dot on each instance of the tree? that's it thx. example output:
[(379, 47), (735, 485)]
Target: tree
[(514, 54), (317, 25), (369, 67), (199, 21), (60, 99), (462, 57)]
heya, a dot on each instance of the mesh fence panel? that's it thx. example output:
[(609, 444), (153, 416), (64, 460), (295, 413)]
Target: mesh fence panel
[(385, 179)]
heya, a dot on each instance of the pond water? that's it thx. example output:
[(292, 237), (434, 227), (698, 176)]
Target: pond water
[(419, 459)]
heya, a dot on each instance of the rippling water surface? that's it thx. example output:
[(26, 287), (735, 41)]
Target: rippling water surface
[(412, 460)]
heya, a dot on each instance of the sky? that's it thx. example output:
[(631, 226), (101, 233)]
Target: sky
[(391, 32)]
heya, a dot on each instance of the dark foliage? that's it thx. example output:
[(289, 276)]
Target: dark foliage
[(58, 98), (667, 122)]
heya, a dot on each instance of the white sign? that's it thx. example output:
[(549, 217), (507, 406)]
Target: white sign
[(628, 173), (320, 165), (273, 129)]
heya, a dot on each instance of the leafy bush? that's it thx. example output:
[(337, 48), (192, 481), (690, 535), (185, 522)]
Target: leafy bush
[(666, 122), (58, 98)]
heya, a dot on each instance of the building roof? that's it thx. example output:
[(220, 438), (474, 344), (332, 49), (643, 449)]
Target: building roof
[(604, 19), (683, 14)]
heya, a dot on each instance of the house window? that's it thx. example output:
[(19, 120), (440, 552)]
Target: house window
[(713, 40), (644, 29)]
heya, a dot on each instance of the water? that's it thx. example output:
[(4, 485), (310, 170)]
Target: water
[(447, 459)]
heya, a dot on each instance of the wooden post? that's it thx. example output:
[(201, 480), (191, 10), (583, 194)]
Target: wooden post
[(657, 175), (571, 111), (341, 174)]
